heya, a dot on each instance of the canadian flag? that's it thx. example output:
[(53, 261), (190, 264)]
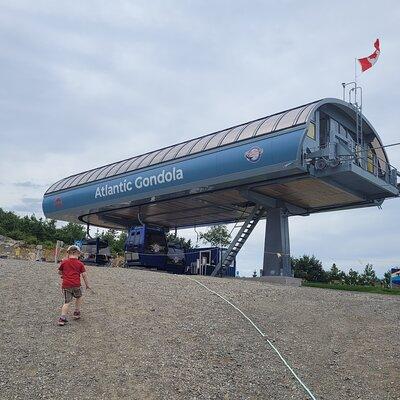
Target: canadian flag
[(369, 61)]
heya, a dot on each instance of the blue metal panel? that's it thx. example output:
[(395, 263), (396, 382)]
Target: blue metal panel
[(226, 164), (193, 255), (262, 126)]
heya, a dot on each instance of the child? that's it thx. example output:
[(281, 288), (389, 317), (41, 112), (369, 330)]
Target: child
[(70, 270)]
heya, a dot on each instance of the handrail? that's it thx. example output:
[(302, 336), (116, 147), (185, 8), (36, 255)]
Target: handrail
[(361, 158)]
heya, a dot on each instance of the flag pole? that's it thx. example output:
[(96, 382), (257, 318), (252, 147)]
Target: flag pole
[(355, 69)]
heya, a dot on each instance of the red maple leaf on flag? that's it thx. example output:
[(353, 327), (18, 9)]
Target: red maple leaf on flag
[(368, 62)]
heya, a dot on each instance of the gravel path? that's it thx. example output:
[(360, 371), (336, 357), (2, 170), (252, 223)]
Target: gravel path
[(149, 335)]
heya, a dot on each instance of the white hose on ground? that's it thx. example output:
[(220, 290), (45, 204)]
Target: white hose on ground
[(262, 334)]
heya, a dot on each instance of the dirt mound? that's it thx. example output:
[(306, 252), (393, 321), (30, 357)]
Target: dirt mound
[(11, 248), (19, 250)]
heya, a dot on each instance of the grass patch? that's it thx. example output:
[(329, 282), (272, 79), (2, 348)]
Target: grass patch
[(353, 288)]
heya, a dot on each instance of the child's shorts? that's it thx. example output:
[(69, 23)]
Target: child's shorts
[(71, 292)]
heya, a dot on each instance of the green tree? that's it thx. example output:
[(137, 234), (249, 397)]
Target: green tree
[(309, 268), (172, 239), (217, 235), (8, 221), (71, 232), (386, 278), (109, 235), (342, 277), (33, 230), (353, 277), (334, 273), (368, 277), (120, 242), (115, 240)]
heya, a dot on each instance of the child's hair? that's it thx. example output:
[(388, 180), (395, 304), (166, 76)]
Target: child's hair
[(73, 249)]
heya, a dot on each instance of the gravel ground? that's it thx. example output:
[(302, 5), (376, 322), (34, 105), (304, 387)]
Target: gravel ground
[(150, 335)]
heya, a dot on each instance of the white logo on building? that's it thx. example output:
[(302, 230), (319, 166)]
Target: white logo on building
[(254, 154)]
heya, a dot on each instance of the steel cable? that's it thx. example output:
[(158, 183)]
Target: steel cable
[(303, 385)]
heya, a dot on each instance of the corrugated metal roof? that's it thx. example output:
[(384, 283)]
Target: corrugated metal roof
[(263, 126)]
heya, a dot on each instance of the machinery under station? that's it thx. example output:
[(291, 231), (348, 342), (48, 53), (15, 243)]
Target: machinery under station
[(321, 156)]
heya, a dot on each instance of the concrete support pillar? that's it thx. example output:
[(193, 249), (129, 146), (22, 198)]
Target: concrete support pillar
[(277, 244)]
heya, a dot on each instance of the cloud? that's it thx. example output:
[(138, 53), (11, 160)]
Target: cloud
[(29, 205), (28, 184)]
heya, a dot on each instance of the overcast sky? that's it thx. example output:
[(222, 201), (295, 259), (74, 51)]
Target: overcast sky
[(83, 85)]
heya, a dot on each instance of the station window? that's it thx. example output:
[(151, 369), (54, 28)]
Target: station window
[(311, 130), (155, 242), (370, 161)]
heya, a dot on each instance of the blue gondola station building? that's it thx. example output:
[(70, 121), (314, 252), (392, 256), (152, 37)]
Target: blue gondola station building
[(317, 157)]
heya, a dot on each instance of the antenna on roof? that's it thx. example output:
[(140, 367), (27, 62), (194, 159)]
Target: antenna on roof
[(354, 96)]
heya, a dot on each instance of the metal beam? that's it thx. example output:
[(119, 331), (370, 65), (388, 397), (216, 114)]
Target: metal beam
[(277, 244), (277, 241), (270, 202), (258, 198)]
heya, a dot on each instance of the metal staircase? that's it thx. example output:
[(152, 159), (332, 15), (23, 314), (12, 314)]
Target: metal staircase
[(240, 239)]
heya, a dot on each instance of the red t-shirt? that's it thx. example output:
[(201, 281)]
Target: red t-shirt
[(71, 269)]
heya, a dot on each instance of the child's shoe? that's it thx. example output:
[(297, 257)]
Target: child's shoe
[(77, 314), (62, 321)]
